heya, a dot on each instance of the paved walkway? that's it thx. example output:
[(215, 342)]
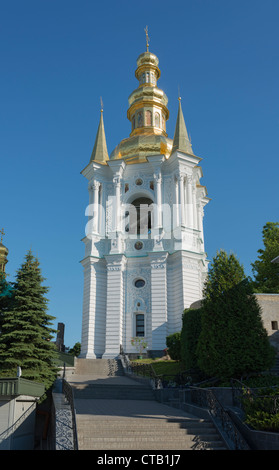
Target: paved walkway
[(113, 409)]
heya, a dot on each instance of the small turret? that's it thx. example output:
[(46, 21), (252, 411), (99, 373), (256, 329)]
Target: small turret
[(100, 151)]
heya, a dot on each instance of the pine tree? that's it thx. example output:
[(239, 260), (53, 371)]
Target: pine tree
[(26, 335), (265, 272), (233, 341), (6, 294)]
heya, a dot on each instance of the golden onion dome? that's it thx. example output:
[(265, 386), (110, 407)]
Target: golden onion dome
[(3, 253), (147, 113)]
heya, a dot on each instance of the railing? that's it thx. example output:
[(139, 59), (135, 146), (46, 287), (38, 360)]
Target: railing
[(68, 392), (206, 398), (202, 397), (241, 391)]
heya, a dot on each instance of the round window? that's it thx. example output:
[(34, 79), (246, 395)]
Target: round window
[(138, 245), (139, 283)]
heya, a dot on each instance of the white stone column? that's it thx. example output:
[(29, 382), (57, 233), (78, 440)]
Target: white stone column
[(195, 215), (115, 304), (200, 223), (95, 201), (159, 310), (117, 192), (158, 199), (189, 201), (181, 199), (94, 303), (176, 220)]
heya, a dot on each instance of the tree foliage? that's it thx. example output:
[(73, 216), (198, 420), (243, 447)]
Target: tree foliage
[(173, 344), (191, 329), (26, 334), (233, 340), (266, 273)]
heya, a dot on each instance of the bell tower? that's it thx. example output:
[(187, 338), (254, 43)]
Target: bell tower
[(145, 260)]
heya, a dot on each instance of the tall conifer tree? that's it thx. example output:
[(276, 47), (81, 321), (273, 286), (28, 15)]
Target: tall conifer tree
[(233, 340), (265, 272), (26, 335)]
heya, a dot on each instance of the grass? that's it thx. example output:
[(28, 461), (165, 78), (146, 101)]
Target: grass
[(162, 366)]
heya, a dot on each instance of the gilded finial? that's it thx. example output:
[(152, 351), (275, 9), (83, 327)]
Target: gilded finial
[(179, 97), (147, 38), (2, 234), (102, 105)]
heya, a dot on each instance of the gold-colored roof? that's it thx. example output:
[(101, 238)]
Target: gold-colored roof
[(100, 151), (148, 114), (138, 147), (181, 140), (3, 249)]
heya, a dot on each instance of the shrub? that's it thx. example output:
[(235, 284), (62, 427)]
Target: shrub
[(191, 328), (173, 344)]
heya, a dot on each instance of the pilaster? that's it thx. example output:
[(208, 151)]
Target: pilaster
[(158, 264), (94, 308), (115, 304)]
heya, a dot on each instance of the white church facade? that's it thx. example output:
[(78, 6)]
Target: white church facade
[(145, 260)]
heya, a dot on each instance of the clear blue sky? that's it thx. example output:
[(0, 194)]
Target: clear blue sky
[(57, 59)]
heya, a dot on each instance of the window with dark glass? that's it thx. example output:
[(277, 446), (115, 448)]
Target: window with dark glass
[(139, 324), (139, 283), (142, 224)]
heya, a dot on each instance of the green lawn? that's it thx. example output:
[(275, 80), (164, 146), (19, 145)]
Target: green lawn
[(163, 367)]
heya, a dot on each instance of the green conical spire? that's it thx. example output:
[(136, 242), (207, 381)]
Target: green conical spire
[(100, 151), (181, 140)]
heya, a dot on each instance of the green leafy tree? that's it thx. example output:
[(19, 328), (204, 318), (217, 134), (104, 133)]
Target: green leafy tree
[(233, 341), (26, 335), (191, 330), (173, 344), (266, 273), (75, 351)]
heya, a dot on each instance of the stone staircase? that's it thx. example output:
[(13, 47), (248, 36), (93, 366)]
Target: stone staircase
[(99, 367), (147, 434), (114, 412)]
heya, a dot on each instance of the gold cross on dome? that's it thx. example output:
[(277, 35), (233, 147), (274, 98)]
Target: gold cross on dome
[(147, 38), (2, 234)]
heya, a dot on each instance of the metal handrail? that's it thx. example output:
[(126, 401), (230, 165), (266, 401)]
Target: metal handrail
[(244, 391), (206, 398), (8, 432), (68, 392)]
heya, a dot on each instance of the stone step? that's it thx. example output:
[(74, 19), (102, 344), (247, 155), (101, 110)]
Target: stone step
[(146, 422), (177, 446), (144, 438), (98, 367), (151, 435), (151, 444), (120, 392), (147, 433)]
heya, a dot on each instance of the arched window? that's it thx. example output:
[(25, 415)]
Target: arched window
[(164, 122), (140, 219), (148, 118), (139, 119), (157, 119)]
